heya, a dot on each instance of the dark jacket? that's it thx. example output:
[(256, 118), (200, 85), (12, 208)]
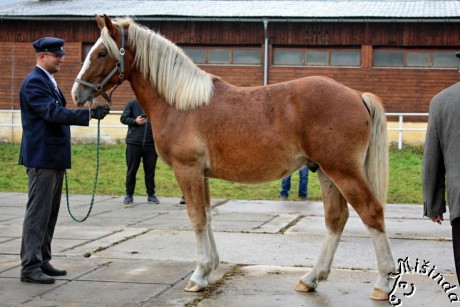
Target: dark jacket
[(45, 123), (137, 134)]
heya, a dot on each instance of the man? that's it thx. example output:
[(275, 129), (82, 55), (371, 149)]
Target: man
[(441, 163), (45, 152), (139, 145), (303, 185)]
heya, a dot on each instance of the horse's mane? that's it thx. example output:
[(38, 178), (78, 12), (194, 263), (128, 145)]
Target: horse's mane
[(183, 84)]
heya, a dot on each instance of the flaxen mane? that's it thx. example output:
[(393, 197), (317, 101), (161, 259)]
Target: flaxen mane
[(183, 84)]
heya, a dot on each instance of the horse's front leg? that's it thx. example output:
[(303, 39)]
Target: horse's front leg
[(196, 192), (336, 215)]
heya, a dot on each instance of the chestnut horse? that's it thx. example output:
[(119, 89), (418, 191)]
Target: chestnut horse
[(207, 128)]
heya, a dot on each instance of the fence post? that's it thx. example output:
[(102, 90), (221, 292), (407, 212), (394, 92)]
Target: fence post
[(400, 132)]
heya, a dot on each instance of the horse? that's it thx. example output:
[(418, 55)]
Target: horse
[(206, 128)]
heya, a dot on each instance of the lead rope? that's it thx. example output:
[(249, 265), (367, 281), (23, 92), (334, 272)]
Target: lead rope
[(95, 180)]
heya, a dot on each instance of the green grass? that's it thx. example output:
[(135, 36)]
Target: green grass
[(405, 176)]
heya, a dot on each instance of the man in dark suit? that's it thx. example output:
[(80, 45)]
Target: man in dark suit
[(45, 152), (441, 163)]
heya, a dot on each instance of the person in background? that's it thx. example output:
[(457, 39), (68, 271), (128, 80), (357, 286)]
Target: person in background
[(441, 163), (139, 146), (45, 152), (303, 185)]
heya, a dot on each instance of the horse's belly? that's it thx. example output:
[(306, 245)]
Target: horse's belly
[(255, 170)]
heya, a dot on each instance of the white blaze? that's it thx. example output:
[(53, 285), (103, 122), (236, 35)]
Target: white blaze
[(85, 66)]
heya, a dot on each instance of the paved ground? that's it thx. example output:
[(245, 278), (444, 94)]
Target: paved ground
[(143, 255)]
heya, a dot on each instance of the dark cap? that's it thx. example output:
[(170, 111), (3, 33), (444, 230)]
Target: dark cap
[(457, 54), (49, 44)]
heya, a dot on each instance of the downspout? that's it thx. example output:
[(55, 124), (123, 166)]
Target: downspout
[(265, 20)]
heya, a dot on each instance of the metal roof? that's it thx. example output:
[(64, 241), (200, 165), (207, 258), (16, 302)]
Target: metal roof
[(280, 9)]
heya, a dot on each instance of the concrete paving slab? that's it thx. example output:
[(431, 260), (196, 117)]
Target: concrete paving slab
[(396, 228)]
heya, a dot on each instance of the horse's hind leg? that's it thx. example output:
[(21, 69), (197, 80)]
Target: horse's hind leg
[(371, 212), (336, 215), (196, 192)]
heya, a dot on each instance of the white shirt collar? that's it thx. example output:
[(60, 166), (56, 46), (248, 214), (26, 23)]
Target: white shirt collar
[(49, 76)]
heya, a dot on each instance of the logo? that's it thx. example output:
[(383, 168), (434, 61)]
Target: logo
[(421, 267)]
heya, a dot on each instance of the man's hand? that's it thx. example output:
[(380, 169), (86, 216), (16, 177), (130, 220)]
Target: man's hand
[(437, 219), (100, 111)]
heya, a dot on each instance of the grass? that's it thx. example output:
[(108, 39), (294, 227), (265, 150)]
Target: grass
[(405, 176)]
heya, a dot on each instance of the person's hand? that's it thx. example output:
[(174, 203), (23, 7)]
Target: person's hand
[(438, 219), (100, 111), (141, 119)]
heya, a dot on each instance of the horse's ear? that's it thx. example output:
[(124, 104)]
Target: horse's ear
[(100, 22), (108, 23)]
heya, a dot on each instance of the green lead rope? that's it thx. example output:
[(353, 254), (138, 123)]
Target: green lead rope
[(95, 180)]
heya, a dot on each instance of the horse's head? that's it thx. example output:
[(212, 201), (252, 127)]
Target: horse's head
[(104, 67)]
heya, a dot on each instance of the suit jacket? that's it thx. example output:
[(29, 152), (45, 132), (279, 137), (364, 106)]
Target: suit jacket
[(441, 160), (45, 123)]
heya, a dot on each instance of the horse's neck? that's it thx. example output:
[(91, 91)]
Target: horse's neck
[(151, 101)]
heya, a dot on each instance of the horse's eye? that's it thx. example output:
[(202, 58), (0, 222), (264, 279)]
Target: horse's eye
[(102, 54)]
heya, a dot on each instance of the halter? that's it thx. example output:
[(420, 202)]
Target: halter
[(120, 67)]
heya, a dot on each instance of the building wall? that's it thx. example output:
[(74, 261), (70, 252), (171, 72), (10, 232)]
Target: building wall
[(402, 90)]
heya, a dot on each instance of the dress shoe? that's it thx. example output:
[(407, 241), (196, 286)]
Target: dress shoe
[(48, 269), (38, 278)]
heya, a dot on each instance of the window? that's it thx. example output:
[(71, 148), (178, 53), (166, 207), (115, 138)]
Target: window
[(388, 58), (345, 58), (317, 57), (86, 48), (218, 56), (445, 59), (244, 56), (415, 58), (224, 55), (287, 57), (418, 59)]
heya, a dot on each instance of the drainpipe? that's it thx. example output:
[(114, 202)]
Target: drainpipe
[(265, 20)]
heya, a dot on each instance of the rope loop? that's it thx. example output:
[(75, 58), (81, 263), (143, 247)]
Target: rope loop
[(95, 180)]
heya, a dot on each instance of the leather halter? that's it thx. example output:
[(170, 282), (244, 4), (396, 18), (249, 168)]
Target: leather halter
[(119, 67)]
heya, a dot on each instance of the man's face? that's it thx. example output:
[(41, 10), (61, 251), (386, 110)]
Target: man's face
[(50, 61)]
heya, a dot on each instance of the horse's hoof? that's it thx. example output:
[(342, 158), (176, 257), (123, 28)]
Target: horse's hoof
[(379, 295), (301, 287), (193, 287)]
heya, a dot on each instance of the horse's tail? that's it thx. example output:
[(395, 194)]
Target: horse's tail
[(376, 164)]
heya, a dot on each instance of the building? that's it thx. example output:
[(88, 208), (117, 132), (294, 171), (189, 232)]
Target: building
[(403, 51)]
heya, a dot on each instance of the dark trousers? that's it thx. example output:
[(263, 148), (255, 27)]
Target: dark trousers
[(456, 245), (134, 155), (45, 189)]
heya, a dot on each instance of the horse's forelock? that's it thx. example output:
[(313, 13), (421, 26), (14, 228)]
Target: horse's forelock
[(171, 72)]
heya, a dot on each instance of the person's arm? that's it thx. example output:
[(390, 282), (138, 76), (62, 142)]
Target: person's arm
[(433, 172), (127, 117), (45, 105)]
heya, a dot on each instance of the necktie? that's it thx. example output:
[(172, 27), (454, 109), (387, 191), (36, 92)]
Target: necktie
[(54, 83)]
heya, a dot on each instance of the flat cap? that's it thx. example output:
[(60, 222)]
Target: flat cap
[(49, 44)]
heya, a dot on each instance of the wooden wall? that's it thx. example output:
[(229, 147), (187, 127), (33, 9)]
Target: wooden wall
[(403, 90)]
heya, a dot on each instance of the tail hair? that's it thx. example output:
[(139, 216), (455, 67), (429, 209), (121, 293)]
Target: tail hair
[(376, 164)]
